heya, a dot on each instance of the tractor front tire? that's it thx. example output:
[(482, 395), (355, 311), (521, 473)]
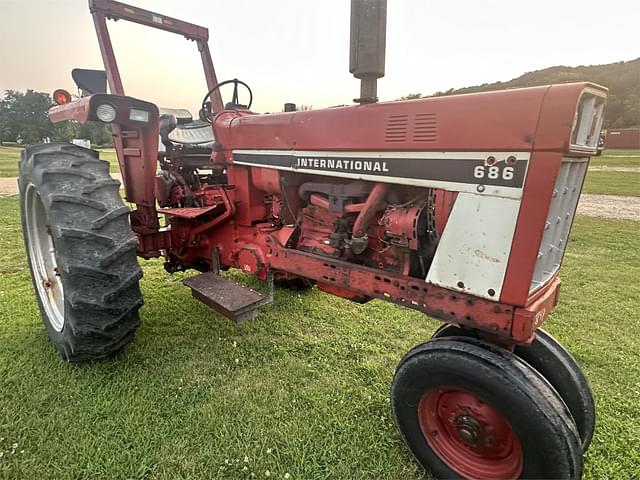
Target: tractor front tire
[(81, 251), (468, 409), (549, 358)]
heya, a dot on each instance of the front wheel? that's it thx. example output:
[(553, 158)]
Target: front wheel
[(467, 409), (81, 251), (549, 358)]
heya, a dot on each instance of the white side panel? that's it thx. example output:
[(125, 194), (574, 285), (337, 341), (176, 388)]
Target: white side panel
[(474, 249)]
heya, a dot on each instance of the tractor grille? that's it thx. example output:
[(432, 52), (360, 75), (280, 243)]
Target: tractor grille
[(561, 212)]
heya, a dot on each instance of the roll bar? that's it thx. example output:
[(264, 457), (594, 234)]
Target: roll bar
[(103, 10)]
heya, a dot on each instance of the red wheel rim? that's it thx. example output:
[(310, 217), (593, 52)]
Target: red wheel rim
[(469, 435)]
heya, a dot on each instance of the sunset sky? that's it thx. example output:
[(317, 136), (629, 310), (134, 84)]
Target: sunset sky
[(297, 51)]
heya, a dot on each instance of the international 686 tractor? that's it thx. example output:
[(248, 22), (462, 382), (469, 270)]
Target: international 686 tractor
[(459, 207)]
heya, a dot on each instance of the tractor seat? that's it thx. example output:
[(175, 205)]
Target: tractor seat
[(195, 132), (182, 114)]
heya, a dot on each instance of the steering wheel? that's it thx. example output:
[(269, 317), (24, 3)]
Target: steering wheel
[(206, 113)]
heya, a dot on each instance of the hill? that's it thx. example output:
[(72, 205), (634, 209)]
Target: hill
[(621, 78)]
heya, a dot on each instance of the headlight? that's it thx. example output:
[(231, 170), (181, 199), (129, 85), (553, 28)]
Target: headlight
[(588, 122), (138, 115), (106, 113)]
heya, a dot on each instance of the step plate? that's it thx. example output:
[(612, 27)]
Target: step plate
[(225, 296)]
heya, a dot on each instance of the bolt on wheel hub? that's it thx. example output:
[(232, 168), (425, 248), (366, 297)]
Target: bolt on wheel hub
[(469, 429)]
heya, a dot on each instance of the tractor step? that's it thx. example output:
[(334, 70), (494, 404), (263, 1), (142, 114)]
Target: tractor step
[(231, 299)]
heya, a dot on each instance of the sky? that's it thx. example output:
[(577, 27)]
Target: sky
[(298, 51)]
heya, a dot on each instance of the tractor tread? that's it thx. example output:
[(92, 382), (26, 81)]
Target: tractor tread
[(89, 189), (80, 162), (119, 251), (100, 222), (86, 235), (69, 171), (93, 306), (82, 355), (82, 201), (96, 254), (87, 271), (109, 333), (125, 283)]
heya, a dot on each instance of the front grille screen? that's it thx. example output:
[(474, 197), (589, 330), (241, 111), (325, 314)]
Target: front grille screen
[(561, 212)]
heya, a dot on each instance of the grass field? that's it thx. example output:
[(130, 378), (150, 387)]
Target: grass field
[(9, 157), (613, 183), (303, 390), (618, 158)]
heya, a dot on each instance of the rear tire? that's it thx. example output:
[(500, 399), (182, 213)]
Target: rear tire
[(81, 251), (466, 408), (561, 370)]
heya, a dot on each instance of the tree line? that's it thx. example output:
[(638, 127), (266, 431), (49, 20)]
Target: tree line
[(23, 119), (621, 78)]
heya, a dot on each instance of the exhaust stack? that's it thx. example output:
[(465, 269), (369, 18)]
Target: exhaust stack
[(368, 44)]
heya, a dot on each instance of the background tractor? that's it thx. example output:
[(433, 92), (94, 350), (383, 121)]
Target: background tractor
[(458, 207)]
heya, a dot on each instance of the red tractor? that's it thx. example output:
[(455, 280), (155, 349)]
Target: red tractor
[(459, 207)]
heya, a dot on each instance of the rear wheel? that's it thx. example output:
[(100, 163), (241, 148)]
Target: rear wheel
[(81, 251), (555, 363), (467, 409)]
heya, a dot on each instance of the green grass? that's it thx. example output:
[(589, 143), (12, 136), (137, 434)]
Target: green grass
[(109, 154), (621, 151), (617, 158), (613, 183), (10, 155), (303, 389)]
